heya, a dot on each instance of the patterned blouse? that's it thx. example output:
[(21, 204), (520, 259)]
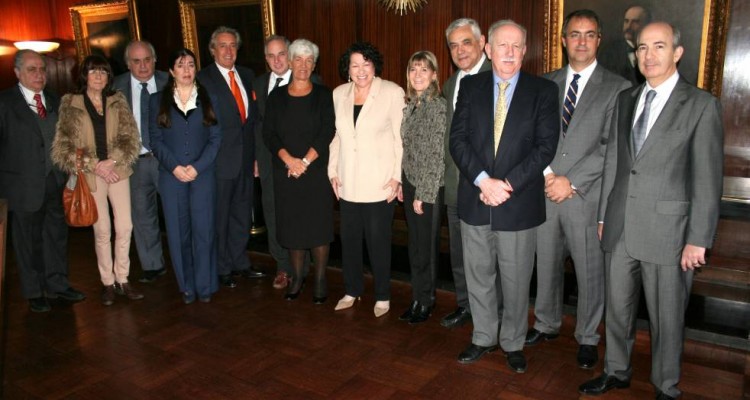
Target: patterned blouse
[(422, 132)]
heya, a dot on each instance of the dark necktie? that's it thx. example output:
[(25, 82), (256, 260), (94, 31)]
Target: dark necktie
[(641, 125), (144, 116), (278, 82), (569, 105), (40, 106)]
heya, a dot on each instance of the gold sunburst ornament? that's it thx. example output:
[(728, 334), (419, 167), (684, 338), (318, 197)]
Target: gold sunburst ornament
[(403, 6)]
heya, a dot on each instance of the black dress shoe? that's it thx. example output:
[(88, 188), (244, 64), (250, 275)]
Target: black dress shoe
[(602, 384), (535, 337), (71, 295), (473, 353), (663, 396), (188, 298), (151, 276), (227, 281), (249, 273), (319, 300), (456, 318), (516, 361), (39, 304), (422, 314), (408, 313), (587, 356), (205, 299)]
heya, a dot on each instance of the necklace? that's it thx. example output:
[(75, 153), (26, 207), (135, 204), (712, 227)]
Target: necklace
[(97, 102)]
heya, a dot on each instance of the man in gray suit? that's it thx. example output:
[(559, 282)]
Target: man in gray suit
[(466, 44), (137, 85), (572, 185), (659, 209)]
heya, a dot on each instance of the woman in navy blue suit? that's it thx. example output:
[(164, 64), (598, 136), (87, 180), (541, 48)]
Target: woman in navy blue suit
[(185, 138)]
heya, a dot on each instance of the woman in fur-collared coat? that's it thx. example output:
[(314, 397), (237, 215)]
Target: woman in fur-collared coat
[(98, 120)]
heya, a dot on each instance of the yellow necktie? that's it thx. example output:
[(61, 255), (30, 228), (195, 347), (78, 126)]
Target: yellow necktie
[(500, 113)]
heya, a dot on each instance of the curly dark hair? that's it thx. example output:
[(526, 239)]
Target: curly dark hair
[(368, 51), (95, 62)]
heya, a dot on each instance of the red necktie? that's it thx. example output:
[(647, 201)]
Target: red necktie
[(40, 106), (237, 95)]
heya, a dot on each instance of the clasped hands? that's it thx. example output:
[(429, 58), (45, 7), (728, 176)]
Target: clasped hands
[(295, 168), (557, 188), (106, 170), (494, 192), (185, 174)]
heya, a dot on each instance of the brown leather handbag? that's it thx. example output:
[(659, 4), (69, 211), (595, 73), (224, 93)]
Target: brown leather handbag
[(80, 208)]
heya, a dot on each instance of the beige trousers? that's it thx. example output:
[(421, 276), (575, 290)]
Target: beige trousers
[(118, 195)]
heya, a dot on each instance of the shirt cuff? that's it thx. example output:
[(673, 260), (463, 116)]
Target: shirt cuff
[(482, 176), (547, 171)]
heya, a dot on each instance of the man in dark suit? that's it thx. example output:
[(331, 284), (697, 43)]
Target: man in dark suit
[(232, 86), (137, 85), (587, 92), (659, 209), (466, 44), (276, 51), (33, 185), (619, 55), (504, 133)]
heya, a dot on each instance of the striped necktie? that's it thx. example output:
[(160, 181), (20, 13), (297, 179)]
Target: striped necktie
[(569, 105), (40, 106), (641, 125)]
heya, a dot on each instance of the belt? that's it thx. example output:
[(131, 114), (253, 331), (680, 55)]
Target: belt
[(146, 155)]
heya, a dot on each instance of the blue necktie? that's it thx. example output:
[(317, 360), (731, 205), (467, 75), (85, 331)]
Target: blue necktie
[(569, 105), (144, 116), (641, 125)]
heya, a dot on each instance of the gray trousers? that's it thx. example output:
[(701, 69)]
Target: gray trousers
[(144, 210), (570, 229), (487, 254), (667, 291)]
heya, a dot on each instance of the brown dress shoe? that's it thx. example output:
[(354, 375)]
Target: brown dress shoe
[(281, 280), (124, 289), (108, 295)]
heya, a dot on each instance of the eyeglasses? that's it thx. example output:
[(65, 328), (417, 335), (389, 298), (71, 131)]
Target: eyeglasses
[(98, 72), (588, 36)]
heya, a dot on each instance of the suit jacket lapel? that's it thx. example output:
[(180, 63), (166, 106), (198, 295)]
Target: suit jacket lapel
[(374, 91), (667, 116), (23, 109), (348, 107), (626, 120), (517, 104)]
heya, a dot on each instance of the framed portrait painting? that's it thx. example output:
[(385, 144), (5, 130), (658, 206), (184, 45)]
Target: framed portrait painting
[(105, 28), (702, 23), (253, 19)]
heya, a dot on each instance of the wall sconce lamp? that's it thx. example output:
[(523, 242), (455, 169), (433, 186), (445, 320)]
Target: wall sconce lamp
[(402, 6), (38, 46)]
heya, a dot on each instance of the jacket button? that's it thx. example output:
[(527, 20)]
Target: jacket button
[(632, 172), (564, 154)]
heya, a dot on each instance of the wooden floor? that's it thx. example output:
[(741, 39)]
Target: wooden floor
[(249, 343)]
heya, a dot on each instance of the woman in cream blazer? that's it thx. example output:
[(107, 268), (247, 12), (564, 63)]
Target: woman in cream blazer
[(365, 169)]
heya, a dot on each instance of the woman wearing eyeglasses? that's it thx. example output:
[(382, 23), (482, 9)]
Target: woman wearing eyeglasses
[(97, 120)]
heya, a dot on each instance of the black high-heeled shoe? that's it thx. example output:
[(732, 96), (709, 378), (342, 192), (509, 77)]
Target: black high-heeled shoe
[(319, 300), (293, 295)]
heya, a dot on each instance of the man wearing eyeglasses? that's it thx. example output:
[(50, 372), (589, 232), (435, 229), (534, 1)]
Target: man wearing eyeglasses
[(137, 86), (33, 185), (572, 188)]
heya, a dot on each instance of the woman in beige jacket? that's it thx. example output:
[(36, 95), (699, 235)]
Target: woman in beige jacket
[(365, 169), (98, 120)]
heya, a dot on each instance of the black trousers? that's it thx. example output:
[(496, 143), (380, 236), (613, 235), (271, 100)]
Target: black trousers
[(424, 244), (40, 240), (371, 222), (234, 203)]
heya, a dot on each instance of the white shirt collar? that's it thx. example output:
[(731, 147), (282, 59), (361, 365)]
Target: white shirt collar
[(28, 94), (150, 84), (191, 100), (666, 87)]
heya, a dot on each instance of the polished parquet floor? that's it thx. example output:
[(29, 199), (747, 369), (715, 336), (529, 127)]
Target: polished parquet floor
[(249, 343)]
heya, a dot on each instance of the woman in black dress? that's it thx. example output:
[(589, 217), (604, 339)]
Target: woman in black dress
[(298, 127)]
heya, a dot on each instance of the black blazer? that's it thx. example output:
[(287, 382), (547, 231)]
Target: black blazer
[(23, 152), (527, 146), (237, 149)]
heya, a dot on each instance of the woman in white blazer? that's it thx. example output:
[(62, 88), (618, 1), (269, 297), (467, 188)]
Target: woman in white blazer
[(365, 169)]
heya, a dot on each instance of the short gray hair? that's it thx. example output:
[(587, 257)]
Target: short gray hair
[(274, 38), (505, 22), (304, 47), (460, 23), (148, 45), (18, 58), (676, 34), (224, 29)]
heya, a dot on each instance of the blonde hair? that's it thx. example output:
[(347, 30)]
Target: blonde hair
[(427, 59)]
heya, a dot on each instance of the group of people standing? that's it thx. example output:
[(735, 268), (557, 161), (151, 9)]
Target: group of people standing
[(566, 164)]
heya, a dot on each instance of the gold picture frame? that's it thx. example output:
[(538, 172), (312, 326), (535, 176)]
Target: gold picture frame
[(713, 38), (105, 28), (254, 19)]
